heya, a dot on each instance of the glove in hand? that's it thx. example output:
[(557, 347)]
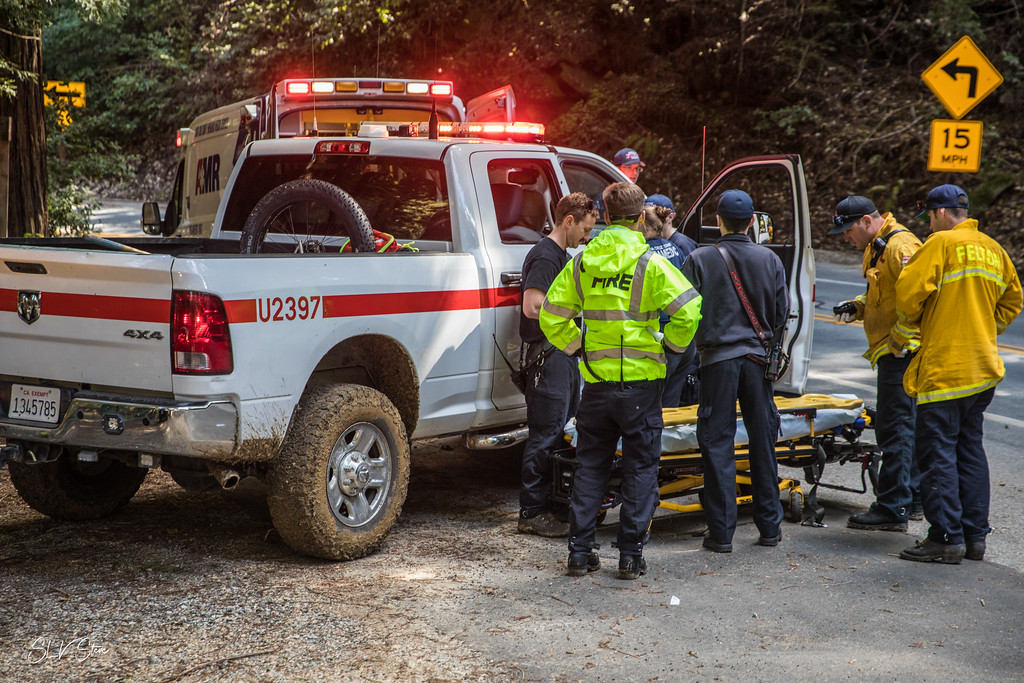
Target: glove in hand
[(845, 312)]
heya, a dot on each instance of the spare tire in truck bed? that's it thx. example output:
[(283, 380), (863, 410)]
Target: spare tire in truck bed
[(306, 216)]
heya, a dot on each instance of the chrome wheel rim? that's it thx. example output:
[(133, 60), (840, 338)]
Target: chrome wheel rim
[(359, 475)]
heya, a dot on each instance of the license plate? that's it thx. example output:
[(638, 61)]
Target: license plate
[(34, 403)]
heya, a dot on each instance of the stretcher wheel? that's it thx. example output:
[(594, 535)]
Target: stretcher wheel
[(796, 506)]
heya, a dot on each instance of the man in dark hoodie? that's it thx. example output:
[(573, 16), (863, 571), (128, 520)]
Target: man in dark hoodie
[(732, 359)]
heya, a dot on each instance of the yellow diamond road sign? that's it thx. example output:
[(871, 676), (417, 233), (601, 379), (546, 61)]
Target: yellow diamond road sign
[(955, 146), (962, 77)]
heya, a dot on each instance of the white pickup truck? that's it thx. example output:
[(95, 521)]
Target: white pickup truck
[(296, 361)]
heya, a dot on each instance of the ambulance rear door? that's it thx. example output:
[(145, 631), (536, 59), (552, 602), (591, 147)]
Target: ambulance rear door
[(496, 105)]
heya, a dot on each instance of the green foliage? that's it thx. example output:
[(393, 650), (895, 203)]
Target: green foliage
[(789, 119), (70, 208)]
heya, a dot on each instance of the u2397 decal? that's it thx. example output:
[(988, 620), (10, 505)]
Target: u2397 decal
[(278, 309)]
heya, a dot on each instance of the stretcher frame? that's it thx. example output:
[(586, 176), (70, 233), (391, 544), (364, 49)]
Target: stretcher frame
[(681, 472)]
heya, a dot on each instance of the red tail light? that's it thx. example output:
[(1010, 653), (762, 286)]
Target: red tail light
[(202, 343)]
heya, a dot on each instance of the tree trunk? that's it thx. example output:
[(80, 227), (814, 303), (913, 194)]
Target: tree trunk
[(26, 204)]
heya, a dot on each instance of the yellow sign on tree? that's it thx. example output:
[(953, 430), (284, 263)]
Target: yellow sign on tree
[(74, 91), (955, 146), (962, 77)]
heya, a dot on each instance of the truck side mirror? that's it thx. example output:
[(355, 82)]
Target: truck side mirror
[(151, 223), (763, 229)]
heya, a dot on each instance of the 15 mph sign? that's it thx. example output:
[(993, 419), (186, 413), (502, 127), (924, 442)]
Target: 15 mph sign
[(955, 146), (962, 77)]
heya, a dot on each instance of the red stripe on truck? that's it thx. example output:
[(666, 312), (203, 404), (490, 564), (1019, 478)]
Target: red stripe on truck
[(348, 305), (245, 310), (68, 305)]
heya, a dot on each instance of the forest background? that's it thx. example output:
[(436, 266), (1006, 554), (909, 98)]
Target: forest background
[(690, 84)]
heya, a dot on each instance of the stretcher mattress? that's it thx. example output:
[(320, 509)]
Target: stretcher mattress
[(801, 416)]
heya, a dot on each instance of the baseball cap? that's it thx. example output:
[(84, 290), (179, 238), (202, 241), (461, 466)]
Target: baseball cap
[(626, 156), (660, 200), (850, 210), (943, 197), (735, 204)]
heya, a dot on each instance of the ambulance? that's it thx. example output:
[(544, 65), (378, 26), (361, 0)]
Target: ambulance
[(304, 107)]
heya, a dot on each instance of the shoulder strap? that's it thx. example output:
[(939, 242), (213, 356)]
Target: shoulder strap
[(878, 246), (742, 293)]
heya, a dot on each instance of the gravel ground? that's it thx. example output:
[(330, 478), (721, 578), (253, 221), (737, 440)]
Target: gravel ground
[(195, 587)]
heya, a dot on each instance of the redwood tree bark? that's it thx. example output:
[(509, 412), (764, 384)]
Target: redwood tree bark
[(26, 207)]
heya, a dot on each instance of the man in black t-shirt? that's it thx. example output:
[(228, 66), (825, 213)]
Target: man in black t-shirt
[(552, 379)]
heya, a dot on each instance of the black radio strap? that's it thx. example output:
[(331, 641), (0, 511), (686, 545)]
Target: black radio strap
[(742, 294), (878, 246)]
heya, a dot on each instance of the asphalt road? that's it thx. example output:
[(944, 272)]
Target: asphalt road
[(119, 218)]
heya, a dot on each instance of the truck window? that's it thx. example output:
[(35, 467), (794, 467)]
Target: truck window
[(771, 188), (407, 198), (588, 180), (524, 197)]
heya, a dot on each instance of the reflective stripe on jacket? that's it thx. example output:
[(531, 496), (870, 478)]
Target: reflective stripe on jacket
[(880, 299), (621, 288), (962, 289)]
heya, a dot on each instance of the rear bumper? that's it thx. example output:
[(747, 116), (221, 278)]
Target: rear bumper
[(203, 429)]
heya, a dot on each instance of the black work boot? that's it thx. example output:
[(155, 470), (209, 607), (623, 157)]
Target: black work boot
[(716, 547), (544, 524), (975, 550), (632, 566), (581, 563), (877, 520), (928, 550)]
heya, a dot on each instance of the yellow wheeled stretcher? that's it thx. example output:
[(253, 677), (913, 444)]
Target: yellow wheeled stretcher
[(815, 429)]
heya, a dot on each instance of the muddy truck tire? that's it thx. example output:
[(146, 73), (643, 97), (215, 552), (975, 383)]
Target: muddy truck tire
[(338, 485), (66, 489), (307, 216)]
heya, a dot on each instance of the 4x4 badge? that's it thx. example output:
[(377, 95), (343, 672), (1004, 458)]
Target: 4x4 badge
[(30, 305)]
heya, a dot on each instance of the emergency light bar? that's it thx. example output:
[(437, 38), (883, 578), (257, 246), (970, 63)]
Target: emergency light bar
[(302, 88), (519, 131)]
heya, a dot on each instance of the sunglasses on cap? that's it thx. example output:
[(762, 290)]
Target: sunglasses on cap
[(842, 219)]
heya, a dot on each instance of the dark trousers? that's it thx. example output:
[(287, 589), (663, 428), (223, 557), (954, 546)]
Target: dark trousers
[(609, 411), (954, 468), (894, 427), (552, 397), (721, 384)]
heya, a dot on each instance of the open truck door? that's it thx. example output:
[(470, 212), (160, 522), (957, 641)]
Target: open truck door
[(782, 224), (496, 105)]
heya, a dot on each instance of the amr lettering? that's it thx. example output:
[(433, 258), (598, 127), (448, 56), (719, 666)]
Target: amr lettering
[(208, 174)]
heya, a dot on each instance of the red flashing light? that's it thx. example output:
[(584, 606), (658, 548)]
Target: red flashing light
[(297, 88), (371, 84), (342, 147), (177, 139), (201, 339), (441, 89)]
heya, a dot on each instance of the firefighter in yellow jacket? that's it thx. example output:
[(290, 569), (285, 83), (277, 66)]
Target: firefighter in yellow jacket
[(962, 290), (887, 248), (621, 287)]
